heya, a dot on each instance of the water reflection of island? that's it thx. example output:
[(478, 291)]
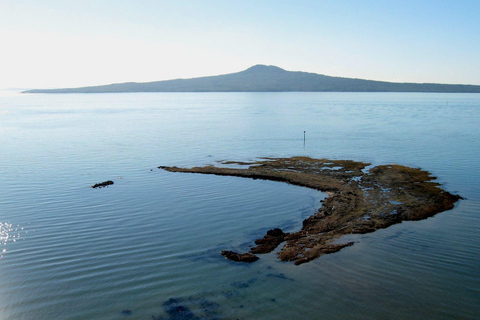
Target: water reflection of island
[(359, 201)]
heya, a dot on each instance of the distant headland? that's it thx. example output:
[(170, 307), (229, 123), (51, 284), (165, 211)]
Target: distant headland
[(262, 78)]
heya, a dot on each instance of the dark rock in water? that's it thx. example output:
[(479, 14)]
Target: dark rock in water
[(229, 294), (280, 276), (239, 257), (102, 184), (269, 242), (127, 312), (210, 309), (265, 245), (177, 311), (243, 285)]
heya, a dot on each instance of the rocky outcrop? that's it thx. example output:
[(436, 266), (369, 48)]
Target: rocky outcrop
[(359, 201), (269, 242)]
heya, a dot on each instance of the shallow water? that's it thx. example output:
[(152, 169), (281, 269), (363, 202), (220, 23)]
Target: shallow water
[(72, 252)]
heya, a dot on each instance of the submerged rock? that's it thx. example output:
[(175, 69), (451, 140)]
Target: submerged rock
[(127, 312), (177, 311), (359, 201)]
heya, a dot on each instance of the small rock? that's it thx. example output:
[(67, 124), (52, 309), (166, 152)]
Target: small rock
[(239, 257), (102, 184)]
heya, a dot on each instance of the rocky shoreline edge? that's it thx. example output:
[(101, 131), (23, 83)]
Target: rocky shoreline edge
[(360, 200)]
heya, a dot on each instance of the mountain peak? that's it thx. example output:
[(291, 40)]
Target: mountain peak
[(264, 68)]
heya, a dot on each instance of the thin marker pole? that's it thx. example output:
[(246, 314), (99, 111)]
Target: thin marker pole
[(303, 136)]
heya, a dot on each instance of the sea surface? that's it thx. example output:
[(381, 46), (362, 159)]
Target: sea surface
[(148, 247)]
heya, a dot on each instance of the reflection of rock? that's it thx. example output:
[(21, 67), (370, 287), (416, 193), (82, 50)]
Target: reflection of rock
[(239, 257), (268, 243), (102, 184), (358, 201)]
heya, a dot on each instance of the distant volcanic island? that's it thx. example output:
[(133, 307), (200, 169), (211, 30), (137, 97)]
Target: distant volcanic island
[(262, 78), (360, 200)]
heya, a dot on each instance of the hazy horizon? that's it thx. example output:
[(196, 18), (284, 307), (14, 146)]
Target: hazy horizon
[(52, 44)]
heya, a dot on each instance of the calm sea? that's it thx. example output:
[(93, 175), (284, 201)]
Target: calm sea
[(150, 243)]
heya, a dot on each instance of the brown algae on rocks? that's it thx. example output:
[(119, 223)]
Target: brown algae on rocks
[(359, 200)]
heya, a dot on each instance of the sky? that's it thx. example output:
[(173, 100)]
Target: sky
[(68, 43)]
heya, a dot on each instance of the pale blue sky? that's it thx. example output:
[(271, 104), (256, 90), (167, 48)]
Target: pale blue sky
[(66, 43)]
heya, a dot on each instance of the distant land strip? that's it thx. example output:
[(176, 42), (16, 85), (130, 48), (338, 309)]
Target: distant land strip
[(262, 78)]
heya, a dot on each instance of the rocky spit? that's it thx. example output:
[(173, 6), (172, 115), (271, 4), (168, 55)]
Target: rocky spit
[(360, 200)]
